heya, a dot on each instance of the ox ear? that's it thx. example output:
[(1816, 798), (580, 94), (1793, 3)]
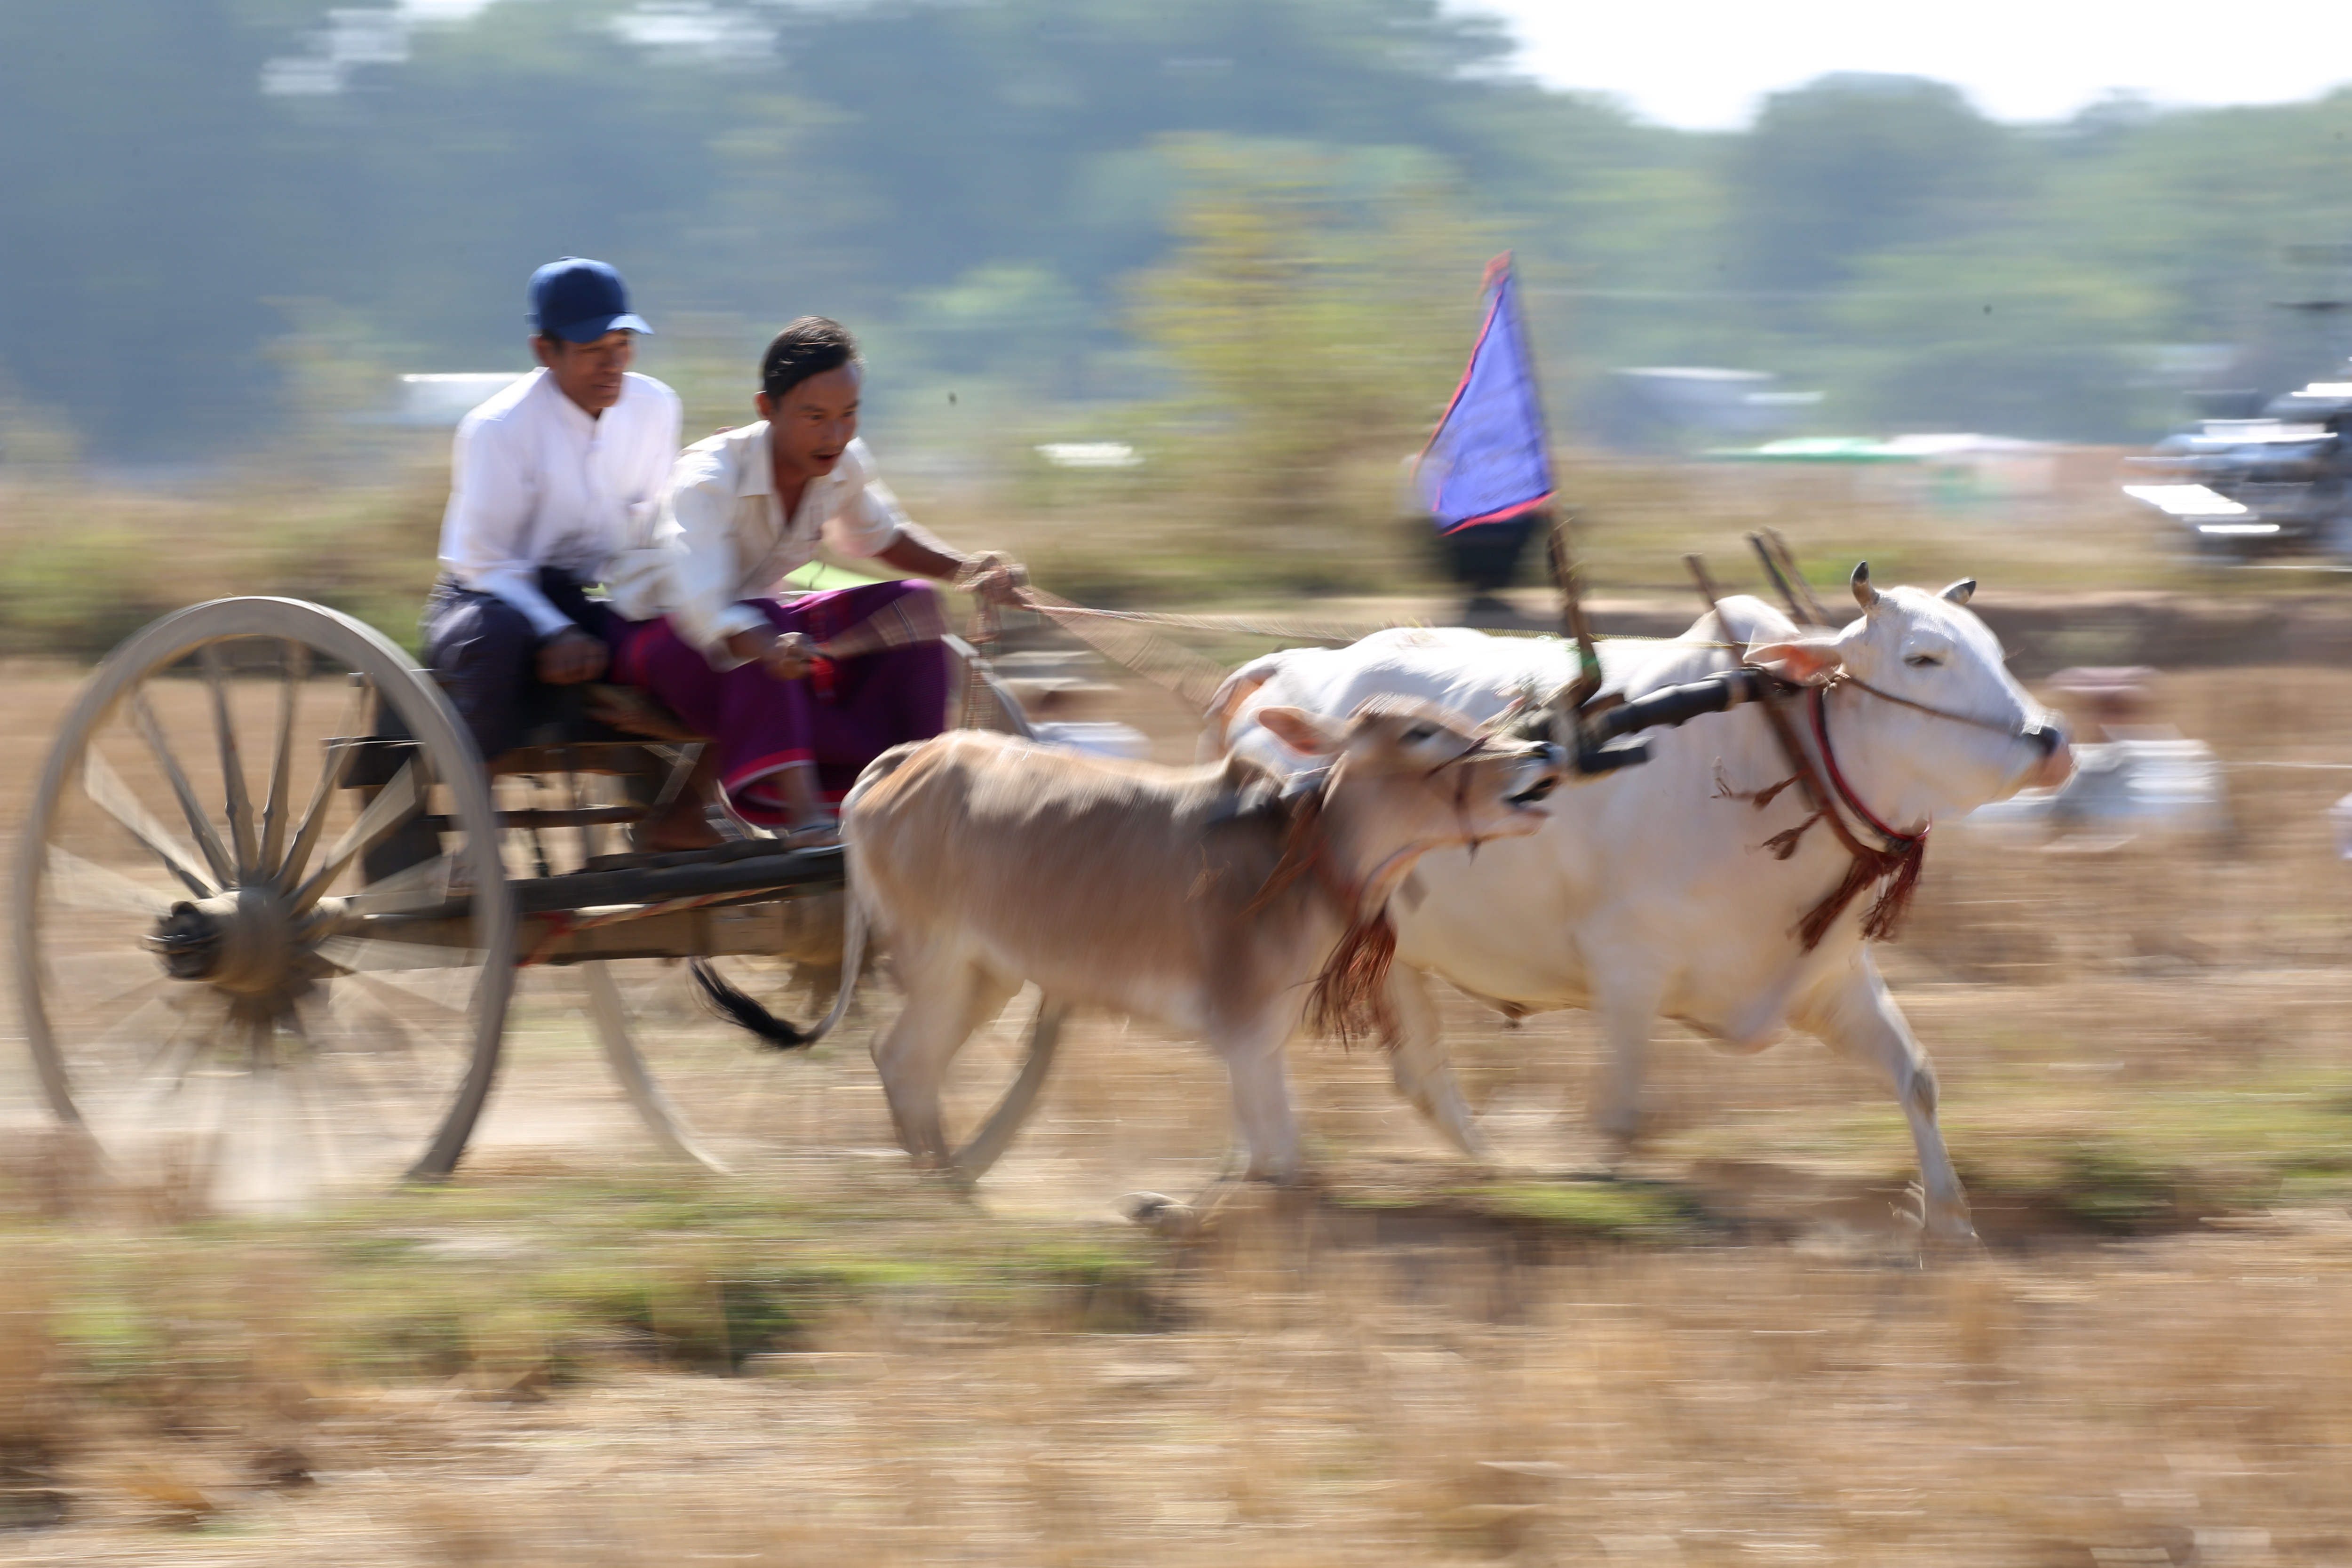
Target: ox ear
[(1961, 592), (1311, 734), (1802, 662)]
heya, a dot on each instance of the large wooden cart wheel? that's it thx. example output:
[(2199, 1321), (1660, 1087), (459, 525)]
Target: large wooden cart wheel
[(216, 987), (713, 1095)]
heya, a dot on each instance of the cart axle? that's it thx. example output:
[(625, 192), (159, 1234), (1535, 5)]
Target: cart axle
[(249, 941)]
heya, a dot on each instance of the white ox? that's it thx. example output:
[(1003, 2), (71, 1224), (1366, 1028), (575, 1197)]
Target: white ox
[(1649, 892)]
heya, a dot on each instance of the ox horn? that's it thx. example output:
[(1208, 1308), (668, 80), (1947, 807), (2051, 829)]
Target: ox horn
[(1863, 593), (1961, 592)]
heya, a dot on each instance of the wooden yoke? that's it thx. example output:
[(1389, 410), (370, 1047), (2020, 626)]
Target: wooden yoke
[(1775, 713), (1780, 566)]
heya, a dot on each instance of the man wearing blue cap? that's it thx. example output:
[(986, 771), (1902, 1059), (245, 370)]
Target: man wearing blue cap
[(549, 481)]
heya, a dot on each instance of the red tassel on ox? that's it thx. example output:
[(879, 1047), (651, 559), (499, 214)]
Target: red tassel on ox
[(1885, 917), (1886, 912), (1351, 996)]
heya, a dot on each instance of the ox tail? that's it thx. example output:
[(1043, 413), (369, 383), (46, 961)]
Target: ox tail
[(733, 1006), (745, 1013)]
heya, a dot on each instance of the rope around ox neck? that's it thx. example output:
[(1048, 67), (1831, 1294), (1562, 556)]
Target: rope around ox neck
[(1903, 857)]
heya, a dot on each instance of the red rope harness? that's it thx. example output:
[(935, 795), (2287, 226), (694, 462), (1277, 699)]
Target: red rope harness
[(1902, 858), (1899, 842)]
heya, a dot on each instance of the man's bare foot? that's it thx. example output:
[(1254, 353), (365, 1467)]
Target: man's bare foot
[(682, 826), (679, 843)]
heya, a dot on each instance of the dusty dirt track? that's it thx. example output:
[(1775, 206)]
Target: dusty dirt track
[(1741, 1357)]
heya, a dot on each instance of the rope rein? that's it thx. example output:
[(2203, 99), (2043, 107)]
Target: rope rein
[(1124, 637), (1998, 728)]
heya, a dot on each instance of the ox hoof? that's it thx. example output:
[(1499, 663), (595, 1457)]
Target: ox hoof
[(1942, 1220), (1159, 1213), (945, 1176)]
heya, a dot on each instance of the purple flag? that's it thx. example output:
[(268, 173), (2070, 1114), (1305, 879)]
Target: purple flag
[(1488, 461)]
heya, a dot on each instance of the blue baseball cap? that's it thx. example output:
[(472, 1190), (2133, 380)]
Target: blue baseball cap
[(580, 301)]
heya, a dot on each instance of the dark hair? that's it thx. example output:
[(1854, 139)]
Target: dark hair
[(810, 347)]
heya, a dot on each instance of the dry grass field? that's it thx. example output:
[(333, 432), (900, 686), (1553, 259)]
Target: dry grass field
[(1737, 1353)]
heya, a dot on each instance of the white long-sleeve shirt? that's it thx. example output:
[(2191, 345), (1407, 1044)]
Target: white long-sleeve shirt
[(535, 481), (734, 543)]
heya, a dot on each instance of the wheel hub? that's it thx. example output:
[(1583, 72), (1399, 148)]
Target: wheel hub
[(244, 940)]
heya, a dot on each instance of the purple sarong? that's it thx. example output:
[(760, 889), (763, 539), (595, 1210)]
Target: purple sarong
[(841, 717)]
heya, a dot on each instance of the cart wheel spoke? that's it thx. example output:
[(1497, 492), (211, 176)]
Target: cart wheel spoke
[(385, 955), (87, 884), (399, 800), (424, 886), (336, 764), (349, 1097), (107, 791), (238, 798), (161, 1071), (366, 1041), (99, 980), (293, 670), (412, 973), (199, 822)]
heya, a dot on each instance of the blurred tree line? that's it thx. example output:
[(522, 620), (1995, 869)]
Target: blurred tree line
[(225, 220)]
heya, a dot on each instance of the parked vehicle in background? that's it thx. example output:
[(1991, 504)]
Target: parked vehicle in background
[(2280, 483)]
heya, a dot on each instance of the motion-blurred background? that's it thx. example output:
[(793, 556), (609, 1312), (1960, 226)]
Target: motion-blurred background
[(1240, 241)]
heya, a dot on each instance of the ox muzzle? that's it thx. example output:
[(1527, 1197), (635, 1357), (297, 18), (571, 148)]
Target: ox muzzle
[(1540, 771), (2057, 765)]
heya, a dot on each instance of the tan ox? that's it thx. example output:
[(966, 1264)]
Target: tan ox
[(1202, 899)]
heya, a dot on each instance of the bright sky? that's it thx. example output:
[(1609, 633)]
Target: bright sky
[(1707, 63)]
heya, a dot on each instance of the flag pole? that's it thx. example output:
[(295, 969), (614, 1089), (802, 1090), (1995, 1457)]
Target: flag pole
[(1567, 576)]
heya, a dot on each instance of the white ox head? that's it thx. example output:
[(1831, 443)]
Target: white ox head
[(1985, 738)]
